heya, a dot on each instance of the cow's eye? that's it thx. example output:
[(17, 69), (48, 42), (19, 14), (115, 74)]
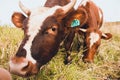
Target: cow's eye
[(53, 29)]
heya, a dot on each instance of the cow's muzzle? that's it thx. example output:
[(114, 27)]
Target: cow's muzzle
[(22, 67)]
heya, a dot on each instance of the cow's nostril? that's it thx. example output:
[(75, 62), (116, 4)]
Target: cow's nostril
[(26, 67)]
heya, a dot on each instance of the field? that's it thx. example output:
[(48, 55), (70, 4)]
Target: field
[(106, 64)]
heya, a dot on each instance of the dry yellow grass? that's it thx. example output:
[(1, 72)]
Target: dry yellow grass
[(112, 27)]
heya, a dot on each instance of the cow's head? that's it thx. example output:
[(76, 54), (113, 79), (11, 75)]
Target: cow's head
[(92, 41), (43, 33)]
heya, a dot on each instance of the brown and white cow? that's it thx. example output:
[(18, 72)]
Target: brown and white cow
[(43, 33), (92, 33), (46, 27), (91, 18)]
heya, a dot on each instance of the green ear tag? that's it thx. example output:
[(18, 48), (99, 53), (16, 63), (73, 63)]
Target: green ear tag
[(75, 23)]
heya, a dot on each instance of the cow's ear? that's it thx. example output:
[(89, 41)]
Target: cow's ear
[(17, 19), (106, 36), (81, 15), (77, 18)]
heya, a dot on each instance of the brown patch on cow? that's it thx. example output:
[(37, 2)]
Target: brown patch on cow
[(89, 54), (30, 69), (17, 19), (51, 3), (69, 39), (59, 14)]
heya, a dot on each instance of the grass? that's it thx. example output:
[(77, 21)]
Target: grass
[(106, 64)]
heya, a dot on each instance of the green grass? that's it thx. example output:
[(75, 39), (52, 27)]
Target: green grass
[(106, 64)]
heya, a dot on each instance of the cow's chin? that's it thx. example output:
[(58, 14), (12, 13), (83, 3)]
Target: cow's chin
[(23, 67)]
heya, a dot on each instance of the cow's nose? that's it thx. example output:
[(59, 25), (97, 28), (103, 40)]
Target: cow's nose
[(17, 64), (22, 67)]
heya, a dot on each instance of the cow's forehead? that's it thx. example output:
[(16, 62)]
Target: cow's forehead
[(94, 37), (37, 18)]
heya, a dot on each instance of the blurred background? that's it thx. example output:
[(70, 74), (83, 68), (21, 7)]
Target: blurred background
[(110, 8)]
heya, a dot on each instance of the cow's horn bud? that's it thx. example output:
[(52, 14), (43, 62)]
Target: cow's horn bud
[(69, 6), (24, 9), (83, 30)]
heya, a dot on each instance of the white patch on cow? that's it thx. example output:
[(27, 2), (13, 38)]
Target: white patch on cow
[(94, 37), (35, 21), (84, 2), (27, 47)]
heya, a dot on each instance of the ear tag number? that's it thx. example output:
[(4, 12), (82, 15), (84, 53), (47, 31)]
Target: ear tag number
[(75, 23)]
